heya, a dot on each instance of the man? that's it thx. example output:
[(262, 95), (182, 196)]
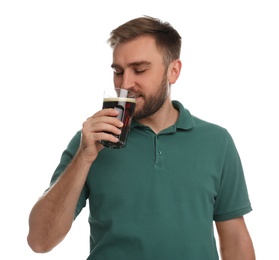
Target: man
[(158, 197)]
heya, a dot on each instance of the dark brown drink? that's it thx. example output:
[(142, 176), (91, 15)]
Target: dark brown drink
[(126, 107)]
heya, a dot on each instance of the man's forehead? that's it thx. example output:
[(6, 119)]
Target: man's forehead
[(137, 47), (138, 52)]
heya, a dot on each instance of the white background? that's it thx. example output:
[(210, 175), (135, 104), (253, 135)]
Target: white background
[(54, 63)]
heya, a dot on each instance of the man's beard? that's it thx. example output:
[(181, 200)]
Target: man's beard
[(153, 103)]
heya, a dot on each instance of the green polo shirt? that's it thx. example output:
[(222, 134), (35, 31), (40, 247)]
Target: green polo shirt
[(157, 198)]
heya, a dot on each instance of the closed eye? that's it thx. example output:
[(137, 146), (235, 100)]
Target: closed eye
[(139, 71), (117, 71)]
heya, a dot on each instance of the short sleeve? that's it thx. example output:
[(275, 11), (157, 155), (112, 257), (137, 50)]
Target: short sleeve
[(232, 200), (66, 158)]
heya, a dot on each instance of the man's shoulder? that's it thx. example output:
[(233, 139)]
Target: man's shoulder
[(199, 122), (210, 128)]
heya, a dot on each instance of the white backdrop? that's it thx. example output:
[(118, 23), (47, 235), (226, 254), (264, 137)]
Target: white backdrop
[(54, 63)]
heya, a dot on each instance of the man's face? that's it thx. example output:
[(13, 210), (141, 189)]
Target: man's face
[(138, 66)]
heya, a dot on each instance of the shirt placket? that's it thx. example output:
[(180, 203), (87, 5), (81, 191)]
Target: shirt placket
[(159, 153)]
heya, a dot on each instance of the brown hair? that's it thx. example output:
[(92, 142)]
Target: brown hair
[(167, 38)]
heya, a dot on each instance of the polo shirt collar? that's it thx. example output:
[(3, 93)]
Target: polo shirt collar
[(185, 120)]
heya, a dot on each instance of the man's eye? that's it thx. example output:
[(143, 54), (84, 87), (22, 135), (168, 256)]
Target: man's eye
[(118, 72), (139, 71)]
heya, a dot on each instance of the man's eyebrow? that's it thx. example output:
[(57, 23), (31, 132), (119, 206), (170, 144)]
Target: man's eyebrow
[(133, 64)]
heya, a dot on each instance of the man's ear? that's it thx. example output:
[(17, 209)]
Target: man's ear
[(174, 71)]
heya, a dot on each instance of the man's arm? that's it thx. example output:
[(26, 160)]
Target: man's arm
[(235, 240), (52, 216)]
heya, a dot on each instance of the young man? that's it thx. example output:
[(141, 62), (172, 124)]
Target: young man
[(158, 197)]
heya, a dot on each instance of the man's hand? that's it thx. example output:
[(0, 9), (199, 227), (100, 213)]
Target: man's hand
[(100, 126)]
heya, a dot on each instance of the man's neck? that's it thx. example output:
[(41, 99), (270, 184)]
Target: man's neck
[(166, 116)]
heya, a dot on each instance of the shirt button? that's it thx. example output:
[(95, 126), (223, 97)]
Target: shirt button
[(160, 152)]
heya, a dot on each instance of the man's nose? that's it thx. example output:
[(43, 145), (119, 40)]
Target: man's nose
[(128, 81)]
